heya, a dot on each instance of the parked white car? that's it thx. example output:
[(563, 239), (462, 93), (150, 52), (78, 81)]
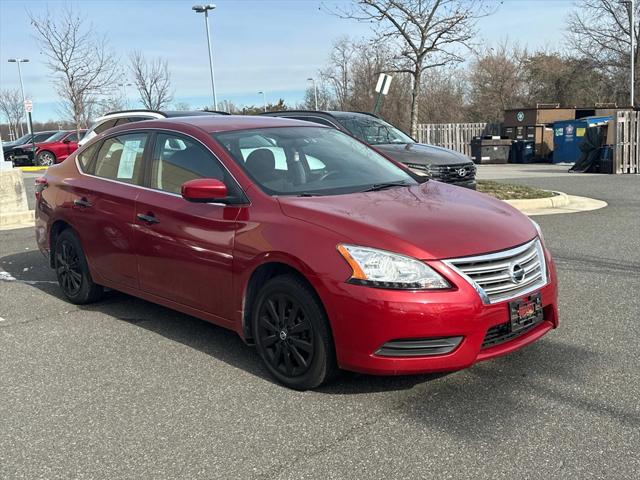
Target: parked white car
[(113, 119)]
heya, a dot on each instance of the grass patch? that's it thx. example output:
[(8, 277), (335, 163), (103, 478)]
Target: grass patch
[(506, 191)]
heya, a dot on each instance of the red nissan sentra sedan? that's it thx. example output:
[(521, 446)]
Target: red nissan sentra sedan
[(306, 242)]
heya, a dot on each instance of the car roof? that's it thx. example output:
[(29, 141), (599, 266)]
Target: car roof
[(327, 113), (165, 113), (222, 123)]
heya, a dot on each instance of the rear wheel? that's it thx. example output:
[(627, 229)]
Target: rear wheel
[(45, 159), (292, 333), (72, 270)]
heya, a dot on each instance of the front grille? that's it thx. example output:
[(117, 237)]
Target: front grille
[(463, 172), (502, 333), (504, 275)]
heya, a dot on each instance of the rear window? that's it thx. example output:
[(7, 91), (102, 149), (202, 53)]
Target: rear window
[(98, 129), (85, 156), (120, 158)]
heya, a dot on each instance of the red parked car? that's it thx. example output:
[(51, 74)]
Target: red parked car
[(58, 147), (308, 243)]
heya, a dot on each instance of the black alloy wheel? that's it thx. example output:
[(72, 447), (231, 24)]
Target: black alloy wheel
[(72, 270), (286, 334), (68, 268), (292, 333)]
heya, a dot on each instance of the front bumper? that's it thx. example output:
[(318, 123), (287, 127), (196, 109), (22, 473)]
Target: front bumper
[(364, 319)]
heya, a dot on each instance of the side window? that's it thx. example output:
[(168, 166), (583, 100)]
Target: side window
[(318, 120), (178, 159), (73, 137), (84, 158), (98, 129), (120, 158)]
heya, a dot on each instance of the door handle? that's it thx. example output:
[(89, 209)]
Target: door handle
[(82, 202), (149, 218)]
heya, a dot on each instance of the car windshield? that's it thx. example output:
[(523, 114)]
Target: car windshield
[(310, 161), (372, 130), (55, 137), (23, 139)]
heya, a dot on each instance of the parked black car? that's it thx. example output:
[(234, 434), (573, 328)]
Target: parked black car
[(437, 163), (23, 146)]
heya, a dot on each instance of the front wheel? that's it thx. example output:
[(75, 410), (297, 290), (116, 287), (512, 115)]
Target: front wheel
[(45, 159), (72, 270), (292, 333)]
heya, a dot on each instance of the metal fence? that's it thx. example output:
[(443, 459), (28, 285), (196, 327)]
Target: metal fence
[(626, 155), (456, 136)]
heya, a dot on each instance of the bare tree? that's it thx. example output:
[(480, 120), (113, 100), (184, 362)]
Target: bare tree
[(82, 64), (496, 82), (338, 71), (12, 108), (599, 30), (152, 79), (422, 33)]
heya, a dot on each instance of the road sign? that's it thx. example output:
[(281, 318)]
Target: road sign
[(28, 106), (384, 81)]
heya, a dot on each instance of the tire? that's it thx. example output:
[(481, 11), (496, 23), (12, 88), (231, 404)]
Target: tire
[(45, 159), (292, 333), (72, 270)]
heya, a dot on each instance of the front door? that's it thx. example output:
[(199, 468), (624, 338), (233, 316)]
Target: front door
[(185, 249)]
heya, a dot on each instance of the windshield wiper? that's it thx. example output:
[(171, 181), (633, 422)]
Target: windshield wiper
[(308, 194), (381, 186)]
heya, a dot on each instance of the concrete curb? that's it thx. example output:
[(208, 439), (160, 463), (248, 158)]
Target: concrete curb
[(16, 220), (560, 199), (560, 203)]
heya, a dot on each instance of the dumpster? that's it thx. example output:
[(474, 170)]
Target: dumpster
[(490, 150), (568, 135), (522, 151)]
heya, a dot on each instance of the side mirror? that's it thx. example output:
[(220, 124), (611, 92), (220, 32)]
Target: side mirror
[(204, 190), (66, 140)]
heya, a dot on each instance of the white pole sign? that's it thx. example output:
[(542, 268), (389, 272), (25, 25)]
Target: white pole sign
[(28, 106), (384, 81)]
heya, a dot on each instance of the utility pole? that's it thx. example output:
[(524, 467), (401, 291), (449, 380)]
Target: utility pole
[(631, 6), (633, 51)]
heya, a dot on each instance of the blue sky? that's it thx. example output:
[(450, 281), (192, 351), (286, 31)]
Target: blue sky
[(270, 45)]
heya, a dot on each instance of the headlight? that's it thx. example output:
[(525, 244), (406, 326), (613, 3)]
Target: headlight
[(419, 169), (382, 269)]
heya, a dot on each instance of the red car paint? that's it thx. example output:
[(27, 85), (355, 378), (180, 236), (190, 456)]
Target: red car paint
[(62, 147), (200, 257)]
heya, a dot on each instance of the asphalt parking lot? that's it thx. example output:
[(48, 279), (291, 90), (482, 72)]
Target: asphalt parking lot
[(127, 389)]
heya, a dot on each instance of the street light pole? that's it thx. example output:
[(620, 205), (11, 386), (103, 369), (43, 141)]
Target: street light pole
[(264, 100), (315, 90), (18, 61), (124, 92), (205, 9)]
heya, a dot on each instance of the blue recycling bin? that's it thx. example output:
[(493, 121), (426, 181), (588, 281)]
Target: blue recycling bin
[(568, 135)]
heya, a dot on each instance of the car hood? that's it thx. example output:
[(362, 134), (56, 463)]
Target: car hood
[(422, 154), (428, 221)]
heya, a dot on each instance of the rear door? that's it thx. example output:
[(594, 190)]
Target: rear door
[(185, 249), (103, 200)]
